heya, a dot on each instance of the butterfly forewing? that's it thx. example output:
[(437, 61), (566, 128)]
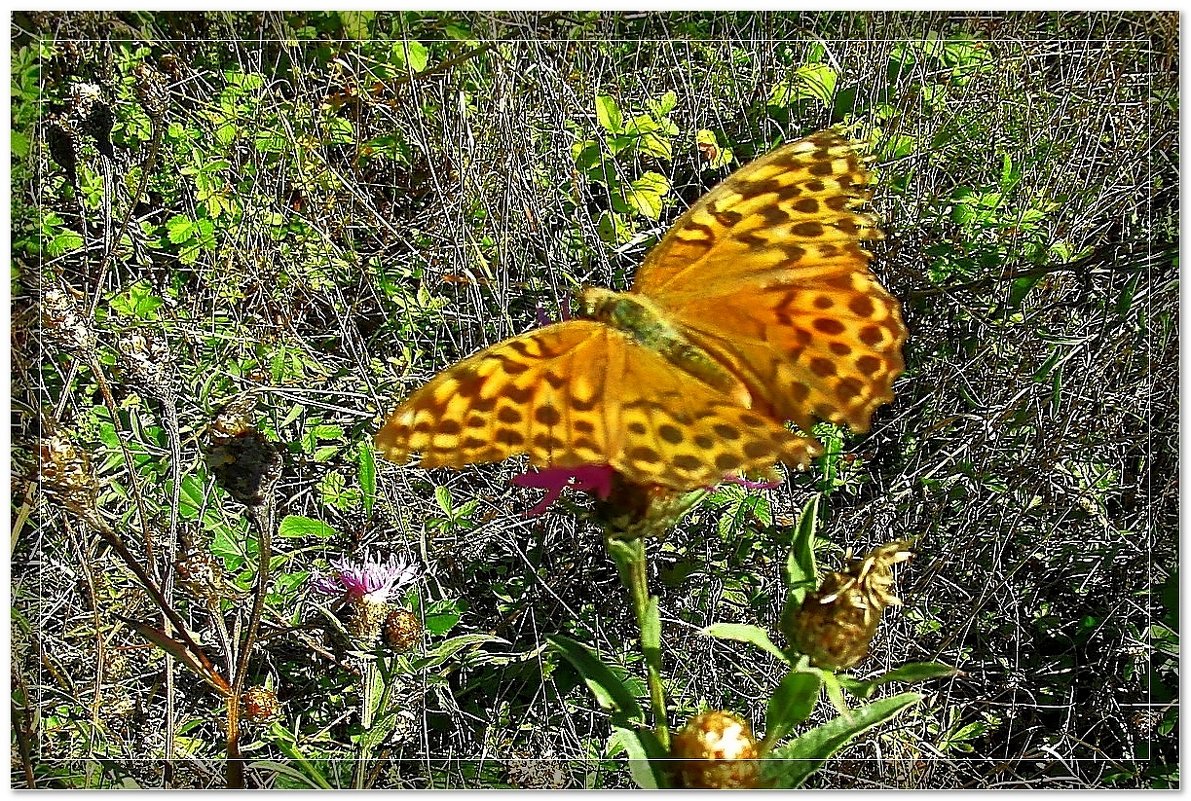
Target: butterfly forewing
[(580, 393), (767, 274)]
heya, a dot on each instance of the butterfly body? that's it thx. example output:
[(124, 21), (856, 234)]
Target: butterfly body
[(757, 307), (647, 325)]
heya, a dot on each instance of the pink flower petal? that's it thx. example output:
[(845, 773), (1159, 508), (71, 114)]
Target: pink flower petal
[(596, 479)]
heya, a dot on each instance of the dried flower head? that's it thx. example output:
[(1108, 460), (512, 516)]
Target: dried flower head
[(718, 751), (63, 322), (151, 90), (243, 461), (65, 474), (201, 574), (835, 624), (146, 362)]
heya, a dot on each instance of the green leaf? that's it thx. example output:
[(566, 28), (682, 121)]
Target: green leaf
[(443, 496), (647, 757), (791, 703), (645, 194), (608, 114), (1020, 288), (180, 229), (417, 55), (610, 691), (366, 472), (448, 648), (909, 672), (808, 82), (441, 622), (298, 526), (138, 301), (789, 766), (356, 24), (742, 632), (801, 573), (64, 242), (190, 497)]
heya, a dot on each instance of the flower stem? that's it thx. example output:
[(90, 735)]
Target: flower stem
[(630, 558)]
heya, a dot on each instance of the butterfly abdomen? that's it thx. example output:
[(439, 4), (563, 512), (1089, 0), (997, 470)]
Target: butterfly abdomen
[(647, 325)]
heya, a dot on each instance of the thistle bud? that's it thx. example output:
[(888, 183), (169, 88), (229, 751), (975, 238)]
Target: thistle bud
[(260, 704), (403, 630), (836, 624), (718, 751)]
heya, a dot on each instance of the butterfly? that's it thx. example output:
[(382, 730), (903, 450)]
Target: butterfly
[(755, 308)]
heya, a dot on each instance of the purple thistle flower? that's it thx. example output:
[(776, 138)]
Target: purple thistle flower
[(370, 579), (593, 478)]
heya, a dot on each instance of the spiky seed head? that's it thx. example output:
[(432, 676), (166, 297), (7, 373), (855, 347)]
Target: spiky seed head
[(836, 623), (65, 474)]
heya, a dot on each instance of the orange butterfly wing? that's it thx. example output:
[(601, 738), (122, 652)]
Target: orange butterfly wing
[(579, 393), (766, 274)]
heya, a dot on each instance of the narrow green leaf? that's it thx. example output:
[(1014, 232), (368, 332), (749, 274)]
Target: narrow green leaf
[(448, 648), (790, 766), (610, 691), (298, 526), (647, 758), (367, 473), (302, 777), (741, 632), (801, 572)]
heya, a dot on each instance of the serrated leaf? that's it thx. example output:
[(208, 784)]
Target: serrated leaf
[(179, 229)]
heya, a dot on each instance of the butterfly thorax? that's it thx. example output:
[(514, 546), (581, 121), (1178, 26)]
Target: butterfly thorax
[(642, 320)]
